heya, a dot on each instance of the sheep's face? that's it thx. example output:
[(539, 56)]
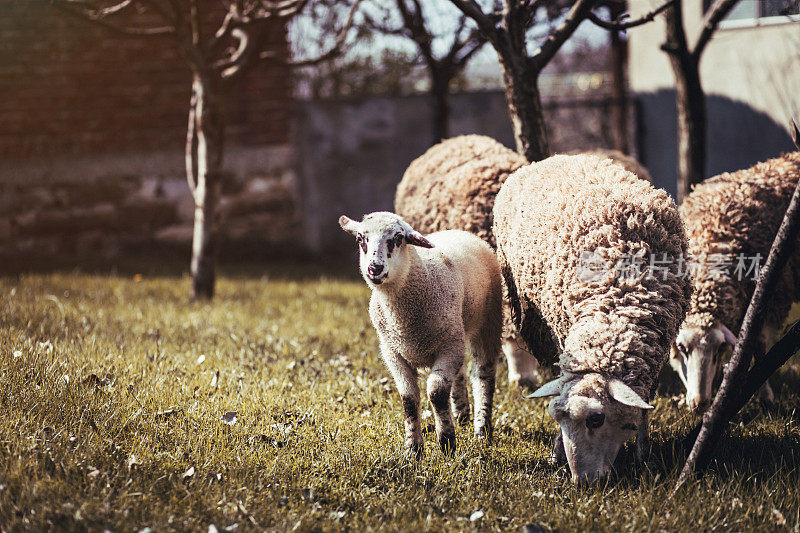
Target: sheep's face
[(696, 355), (597, 415), (382, 239)]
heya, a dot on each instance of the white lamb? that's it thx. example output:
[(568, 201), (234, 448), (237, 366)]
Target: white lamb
[(431, 297)]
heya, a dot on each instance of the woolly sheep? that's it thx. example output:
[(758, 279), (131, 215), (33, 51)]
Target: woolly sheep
[(431, 298), (564, 226), (453, 186), (629, 163), (731, 219)]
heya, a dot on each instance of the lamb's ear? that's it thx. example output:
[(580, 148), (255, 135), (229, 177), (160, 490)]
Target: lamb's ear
[(416, 238), (729, 336), (626, 395), (551, 388), (350, 226)]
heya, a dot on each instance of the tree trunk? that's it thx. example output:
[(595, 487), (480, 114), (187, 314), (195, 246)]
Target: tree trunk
[(204, 148), (691, 105), (525, 110), (440, 92), (619, 114)]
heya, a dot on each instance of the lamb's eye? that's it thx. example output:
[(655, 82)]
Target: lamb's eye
[(595, 420), (398, 240), (682, 349), (362, 243)]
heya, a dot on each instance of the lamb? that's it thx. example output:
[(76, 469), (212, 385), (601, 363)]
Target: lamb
[(453, 186), (570, 231), (731, 221), (431, 298)]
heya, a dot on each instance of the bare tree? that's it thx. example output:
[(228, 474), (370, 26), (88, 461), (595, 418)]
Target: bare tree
[(506, 27), (416, 23), (215, 59), (689, 95)]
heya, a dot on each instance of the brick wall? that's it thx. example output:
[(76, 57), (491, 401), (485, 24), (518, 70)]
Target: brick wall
[(67, 86)]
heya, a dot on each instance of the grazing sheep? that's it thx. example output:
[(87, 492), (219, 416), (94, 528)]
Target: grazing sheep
[(630, 163), (570, 230), (431, 298), (731, 220), (453, 186)]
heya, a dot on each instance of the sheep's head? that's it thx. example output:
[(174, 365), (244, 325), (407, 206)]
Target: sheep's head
[(597, 415), (381, 238), (696, 355)]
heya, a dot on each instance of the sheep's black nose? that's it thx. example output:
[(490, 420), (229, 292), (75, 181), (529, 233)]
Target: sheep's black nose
[(374, 269)]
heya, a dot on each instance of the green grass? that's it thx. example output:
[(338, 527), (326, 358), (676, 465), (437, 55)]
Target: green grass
[(109, 420)]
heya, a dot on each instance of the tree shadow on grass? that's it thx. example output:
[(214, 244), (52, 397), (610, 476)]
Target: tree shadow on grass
[(169, 263)]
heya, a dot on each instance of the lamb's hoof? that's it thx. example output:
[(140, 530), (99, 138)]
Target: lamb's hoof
[(447, 442), (414, 451), (484, 433)]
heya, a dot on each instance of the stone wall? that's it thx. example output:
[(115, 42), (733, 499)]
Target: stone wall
[(106, 205)]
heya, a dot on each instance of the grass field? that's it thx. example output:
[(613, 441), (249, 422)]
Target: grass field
[(113, 389)]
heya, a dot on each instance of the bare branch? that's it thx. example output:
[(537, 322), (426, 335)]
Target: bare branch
[(231, 65), (224, 29), (718, 11), (619, 24), (473, 10), (334, 50), (462, 60), (557, 37), (676, 44), (285, 9), (795, 134), (98, 18)]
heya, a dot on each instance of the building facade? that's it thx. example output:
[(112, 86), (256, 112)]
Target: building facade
[(750, 72)]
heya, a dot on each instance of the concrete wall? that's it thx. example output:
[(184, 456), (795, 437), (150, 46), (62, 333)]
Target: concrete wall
[(353, 153), (750, 75)]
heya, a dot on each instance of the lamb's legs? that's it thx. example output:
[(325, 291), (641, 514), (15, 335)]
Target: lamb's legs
[(522, 366), (405, 379), (459, 404), (483, 378), (643, 439), (440, 382)]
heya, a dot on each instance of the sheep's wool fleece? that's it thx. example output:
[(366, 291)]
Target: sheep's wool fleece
[(629, 163), (733, 215), (453, 185), (550, 217)]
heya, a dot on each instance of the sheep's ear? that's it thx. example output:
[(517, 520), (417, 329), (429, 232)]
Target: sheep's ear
[(551, 388), (729, 336), (626, 395), (349, 225), (416, 238)]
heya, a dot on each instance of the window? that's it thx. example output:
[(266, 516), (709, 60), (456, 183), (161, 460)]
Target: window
[(758, 12)]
